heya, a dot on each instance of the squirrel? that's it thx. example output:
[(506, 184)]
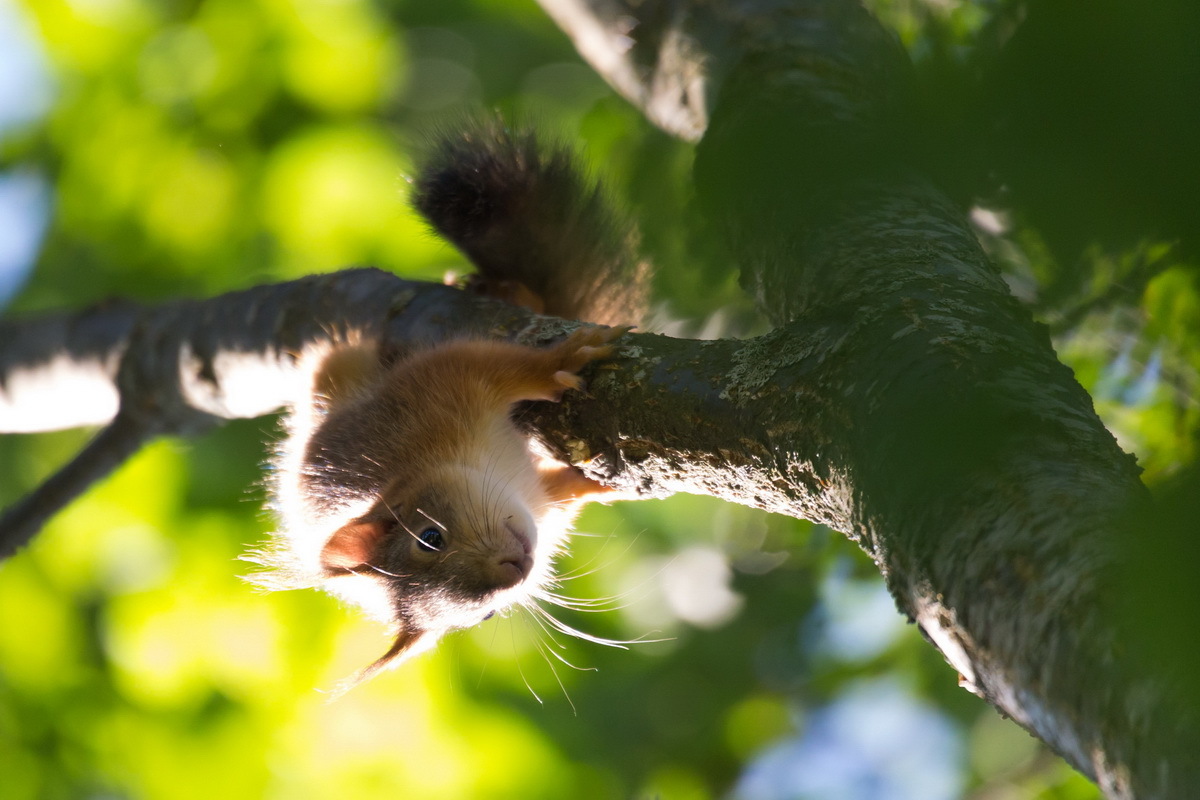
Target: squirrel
[(402, 484)]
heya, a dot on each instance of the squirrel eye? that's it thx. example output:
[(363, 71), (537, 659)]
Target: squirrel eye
[(430, 539)]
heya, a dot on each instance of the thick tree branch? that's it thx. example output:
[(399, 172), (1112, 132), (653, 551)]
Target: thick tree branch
[(648, 53), (953, 446)]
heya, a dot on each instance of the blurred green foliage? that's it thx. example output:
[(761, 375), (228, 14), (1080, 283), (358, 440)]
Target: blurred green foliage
[(198, 146)]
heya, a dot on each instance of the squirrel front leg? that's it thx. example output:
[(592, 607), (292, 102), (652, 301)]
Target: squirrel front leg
[(558, 366), (564, 483), (505, 373)]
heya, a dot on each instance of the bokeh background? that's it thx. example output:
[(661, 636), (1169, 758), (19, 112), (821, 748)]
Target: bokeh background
[(163, 148)]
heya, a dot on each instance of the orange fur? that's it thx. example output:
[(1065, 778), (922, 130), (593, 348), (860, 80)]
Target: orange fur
[(403, 485), (422, 501)]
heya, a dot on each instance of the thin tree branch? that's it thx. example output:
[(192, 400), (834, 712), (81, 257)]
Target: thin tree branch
[(110, 448)]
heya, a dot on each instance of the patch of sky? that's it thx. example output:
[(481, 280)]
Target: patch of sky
[(1129, 379), (26, 91), (876, 741), (25, 85), (24, 214), (855, 620)]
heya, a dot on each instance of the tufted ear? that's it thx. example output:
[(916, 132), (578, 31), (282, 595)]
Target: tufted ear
[(409, 641), (346, 371), (352, 546)]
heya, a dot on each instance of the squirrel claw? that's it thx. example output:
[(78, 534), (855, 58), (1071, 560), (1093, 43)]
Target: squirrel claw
[(579, 349), (569, 380)]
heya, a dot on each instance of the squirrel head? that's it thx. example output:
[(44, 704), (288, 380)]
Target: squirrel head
[(447, 554)]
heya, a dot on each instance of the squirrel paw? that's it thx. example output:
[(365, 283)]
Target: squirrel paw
[(580, 348)]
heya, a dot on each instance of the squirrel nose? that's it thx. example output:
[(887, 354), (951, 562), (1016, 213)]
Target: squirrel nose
[(514, 561), (513, 570), (519, 536)]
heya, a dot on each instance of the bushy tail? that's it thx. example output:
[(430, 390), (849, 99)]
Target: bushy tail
[(539, 232)]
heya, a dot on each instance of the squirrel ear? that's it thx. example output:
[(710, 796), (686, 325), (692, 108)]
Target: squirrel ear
[(352, 545), (346, 371), (409, 642)]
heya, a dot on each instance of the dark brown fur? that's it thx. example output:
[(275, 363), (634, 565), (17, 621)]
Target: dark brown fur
[(540, 233)]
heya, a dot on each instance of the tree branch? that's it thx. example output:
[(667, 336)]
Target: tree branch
[(648, 53), (953, 446), (115, 443), (669, 415)]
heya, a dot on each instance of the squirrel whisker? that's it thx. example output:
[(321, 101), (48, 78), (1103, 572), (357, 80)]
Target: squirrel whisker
[(397, 452)]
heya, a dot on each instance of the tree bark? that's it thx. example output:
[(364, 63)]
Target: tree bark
[(949, 442)]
